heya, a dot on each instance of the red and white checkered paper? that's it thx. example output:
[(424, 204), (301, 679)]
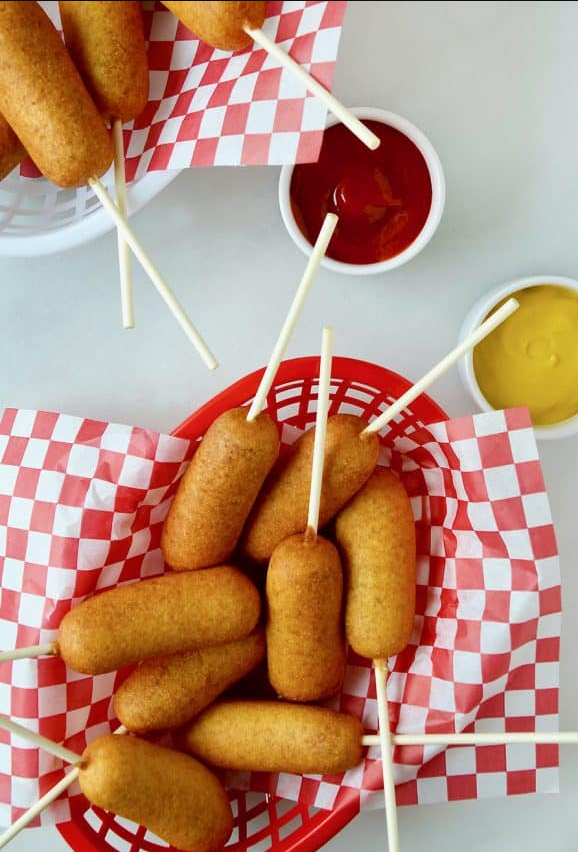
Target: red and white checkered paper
[(81, 509), (208, 107)]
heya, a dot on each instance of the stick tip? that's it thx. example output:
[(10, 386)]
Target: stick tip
[(310, 535)]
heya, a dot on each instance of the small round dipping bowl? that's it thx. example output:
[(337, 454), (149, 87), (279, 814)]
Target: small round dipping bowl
[(436, 174), (477, 314)]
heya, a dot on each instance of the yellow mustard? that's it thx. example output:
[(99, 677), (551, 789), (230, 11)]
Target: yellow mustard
[(531, 359)]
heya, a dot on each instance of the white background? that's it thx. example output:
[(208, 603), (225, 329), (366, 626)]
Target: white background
[(494, 85)]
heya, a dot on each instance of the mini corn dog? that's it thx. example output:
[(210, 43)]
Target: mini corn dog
[(220, 24), (44, 99), (163, 615), (281, 508), (107, 45), (12, 150), (169, 793), (168, 691), (376, 537), (218, 489), (305, 644), (271, 736)]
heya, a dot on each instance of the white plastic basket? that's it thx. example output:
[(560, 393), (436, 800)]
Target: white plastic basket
[(38, 218)]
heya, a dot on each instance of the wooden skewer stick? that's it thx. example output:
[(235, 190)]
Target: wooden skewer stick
[(38, 740), (124, 264), (380, 670), (531, 737), (153, 273), (50, 649), (320, 431), (345, 116), (317, 255), (47, 798), (452, 358), (38, 807)]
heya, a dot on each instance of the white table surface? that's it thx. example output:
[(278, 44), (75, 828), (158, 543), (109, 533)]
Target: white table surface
[(493, 84)]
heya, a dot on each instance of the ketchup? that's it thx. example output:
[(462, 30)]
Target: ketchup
[(382, 197)]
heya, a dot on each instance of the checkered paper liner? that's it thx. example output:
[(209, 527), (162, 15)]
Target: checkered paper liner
[(81, 509), (208, 107)]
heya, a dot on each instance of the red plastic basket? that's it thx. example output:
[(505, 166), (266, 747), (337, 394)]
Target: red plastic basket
[(266, 822)]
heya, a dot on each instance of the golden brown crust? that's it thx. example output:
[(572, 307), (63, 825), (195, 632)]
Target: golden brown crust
[(281, 508), (376, 538), (305, 643), (12, 150), (167, 692), (173, 795), (107, 45), (218, 490), (163, 615), (220, 24), (44, 100), (271, 736)]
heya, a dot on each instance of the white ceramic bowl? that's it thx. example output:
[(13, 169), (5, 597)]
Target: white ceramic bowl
[(477, 315), (437, 203)]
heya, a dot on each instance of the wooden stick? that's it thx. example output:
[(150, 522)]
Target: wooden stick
[(532, 737), (380, 669), (153, 273), (44, 801), (124, 265), (320, 430), (345, 116), (423, 384), (50, 649), (313, 264), (38, 807), (38, 740)]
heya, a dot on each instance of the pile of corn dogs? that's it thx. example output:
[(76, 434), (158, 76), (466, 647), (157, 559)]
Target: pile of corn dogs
[(57, 99), (195, 630)]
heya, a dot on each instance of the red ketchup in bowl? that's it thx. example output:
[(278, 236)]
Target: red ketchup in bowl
[(382, 197)]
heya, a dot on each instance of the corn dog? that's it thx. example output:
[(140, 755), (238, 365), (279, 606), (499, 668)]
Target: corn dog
[(281, 508), (163, 615), (12, 150), (168, 691), (220, 24), (218, 490), (305, 644), (376, 536), (173, 795), (271, 736), (107, 45), (44, 99)]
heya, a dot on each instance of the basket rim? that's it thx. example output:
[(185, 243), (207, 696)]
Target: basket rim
[(94, 225), (306, 367)]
